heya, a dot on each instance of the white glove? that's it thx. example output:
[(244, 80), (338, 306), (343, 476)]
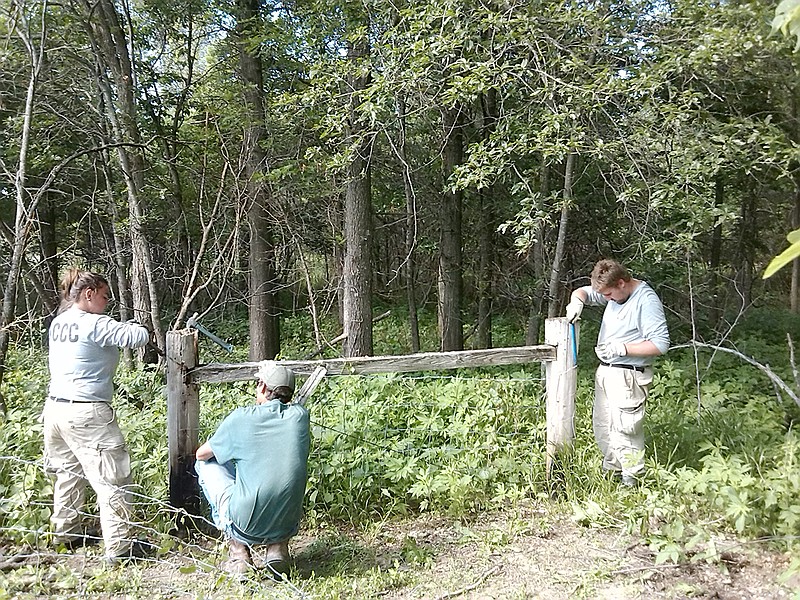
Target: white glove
[(609, 351), (574, 309)]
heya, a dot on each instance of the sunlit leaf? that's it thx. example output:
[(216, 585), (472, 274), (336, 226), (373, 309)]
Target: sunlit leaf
[(786, 256)]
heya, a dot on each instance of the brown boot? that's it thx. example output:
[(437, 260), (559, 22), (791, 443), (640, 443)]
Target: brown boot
[(278, 562), (239, 562)]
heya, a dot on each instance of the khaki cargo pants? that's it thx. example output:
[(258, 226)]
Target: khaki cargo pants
[(618, 417), (83, 442)]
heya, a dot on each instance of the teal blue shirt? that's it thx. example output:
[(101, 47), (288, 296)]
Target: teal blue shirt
[(268, 443)]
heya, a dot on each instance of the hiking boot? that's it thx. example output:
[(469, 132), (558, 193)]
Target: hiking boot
[(239, 562), (630, 481), (138, 550), (277, 561), (73, 541)]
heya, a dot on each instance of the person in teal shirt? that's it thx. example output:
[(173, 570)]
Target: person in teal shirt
[(253, 472)]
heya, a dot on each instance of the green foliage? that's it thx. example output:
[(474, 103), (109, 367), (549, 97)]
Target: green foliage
[(388, 445), (464, 443), (721, 463), (25, 490), (787, 20), (793, 251)]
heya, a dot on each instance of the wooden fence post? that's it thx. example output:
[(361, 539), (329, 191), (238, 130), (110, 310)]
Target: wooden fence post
[(561, 386), (183, 417)]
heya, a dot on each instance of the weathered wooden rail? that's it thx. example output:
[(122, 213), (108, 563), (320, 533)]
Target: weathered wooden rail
[(185, 374)]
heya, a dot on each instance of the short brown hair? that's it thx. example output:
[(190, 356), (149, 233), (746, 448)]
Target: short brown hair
[(607, 272)]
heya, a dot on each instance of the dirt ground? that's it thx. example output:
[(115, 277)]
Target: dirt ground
[(520, 556), (566, 561)]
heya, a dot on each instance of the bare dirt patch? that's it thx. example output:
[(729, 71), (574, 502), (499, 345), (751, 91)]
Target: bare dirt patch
[(562, 560)]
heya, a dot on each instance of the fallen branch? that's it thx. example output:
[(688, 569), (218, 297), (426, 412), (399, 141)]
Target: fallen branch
[(779, 383), (472, 586), (15, 562)]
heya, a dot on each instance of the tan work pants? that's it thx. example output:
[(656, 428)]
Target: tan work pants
[(618, 417), (83, 442)]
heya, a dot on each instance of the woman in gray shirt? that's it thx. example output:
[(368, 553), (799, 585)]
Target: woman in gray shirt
[(82, 440)]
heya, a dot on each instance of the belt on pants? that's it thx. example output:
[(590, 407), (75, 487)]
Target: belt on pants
[(56, 399), (638, 368)]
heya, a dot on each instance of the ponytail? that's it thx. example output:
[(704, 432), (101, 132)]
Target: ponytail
[(76, 280)]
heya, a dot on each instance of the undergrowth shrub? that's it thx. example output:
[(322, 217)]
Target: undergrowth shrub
[(721, 455), (721, 460), (756, 495), (392, 444), (25, 488)]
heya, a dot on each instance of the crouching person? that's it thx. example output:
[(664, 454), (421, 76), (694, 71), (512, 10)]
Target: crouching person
[(253, 472)]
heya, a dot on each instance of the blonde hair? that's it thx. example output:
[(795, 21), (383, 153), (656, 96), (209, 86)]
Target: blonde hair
[(607, 273), (76, 280)]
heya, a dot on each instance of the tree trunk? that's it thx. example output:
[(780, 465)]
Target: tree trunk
[(123, 291), (715, 255), (357, 272), (487, 228), (536, 260), (555, 272), (263, 306), (49, 249), (747, 227), (450, 277), (110, 45), (25, 205)]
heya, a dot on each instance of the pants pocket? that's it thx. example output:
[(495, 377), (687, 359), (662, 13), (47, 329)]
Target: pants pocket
[(631, 417), (115, 465)]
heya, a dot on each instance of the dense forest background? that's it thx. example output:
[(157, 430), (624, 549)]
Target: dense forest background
[(466, 158), (290, 171)]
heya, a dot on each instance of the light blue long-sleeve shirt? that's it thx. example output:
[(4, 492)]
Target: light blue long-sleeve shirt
[(639, 318), (84, 353)]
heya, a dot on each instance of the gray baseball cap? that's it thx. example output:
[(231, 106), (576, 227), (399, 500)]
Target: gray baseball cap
[(274, 375)]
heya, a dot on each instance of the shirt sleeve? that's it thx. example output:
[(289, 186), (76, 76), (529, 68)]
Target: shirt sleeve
[(653, 322), (593, 298), (223, 442), (110, 332)]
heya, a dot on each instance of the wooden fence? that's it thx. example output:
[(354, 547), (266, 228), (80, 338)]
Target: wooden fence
[(185, 373)]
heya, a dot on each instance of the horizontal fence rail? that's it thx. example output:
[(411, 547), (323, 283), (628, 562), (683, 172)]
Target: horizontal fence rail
[(185, 373), (371, 365)]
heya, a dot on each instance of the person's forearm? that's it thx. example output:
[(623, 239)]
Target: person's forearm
[(643, 348), (204, 452)]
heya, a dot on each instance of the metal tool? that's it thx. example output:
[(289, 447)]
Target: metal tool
[(193, 324), (310, 385)]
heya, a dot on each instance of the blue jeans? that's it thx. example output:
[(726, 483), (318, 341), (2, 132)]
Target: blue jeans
[(217, 481)]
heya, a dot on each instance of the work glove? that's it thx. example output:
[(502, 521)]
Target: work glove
[(574, 309), (139, 324), (607, 352)]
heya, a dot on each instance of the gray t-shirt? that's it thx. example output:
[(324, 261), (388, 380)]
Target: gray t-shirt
[(84, 352), (640, 318)]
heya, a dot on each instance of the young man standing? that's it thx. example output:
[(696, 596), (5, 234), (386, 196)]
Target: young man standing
[(253, 472), (632, 333)]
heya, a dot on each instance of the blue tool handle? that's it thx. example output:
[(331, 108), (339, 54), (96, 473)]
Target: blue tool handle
[(574, 343)]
